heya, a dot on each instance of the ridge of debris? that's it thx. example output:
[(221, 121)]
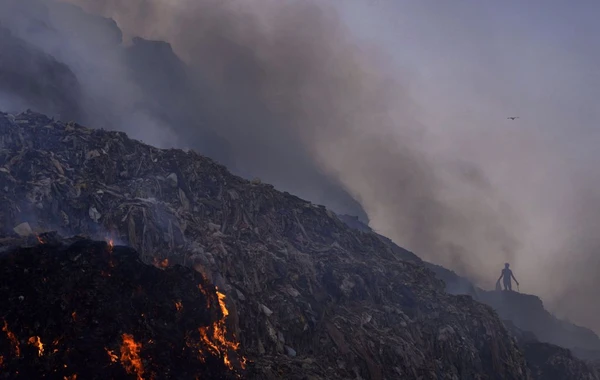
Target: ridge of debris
[(309, 296), (524, 313)]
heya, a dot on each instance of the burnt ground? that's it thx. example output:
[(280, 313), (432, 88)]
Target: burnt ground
[(88, 310)]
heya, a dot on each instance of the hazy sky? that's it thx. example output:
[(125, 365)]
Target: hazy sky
[(472, 64)]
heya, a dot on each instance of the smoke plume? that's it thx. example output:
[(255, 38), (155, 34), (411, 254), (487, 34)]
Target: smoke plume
[(294, 93)]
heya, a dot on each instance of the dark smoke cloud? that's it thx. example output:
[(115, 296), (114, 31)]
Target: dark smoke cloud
[(286, 93), (284, 90), (290, 80), (29, 76)]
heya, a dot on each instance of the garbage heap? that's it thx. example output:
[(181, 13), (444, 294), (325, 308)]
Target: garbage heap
[(91, 310), (308, 297)]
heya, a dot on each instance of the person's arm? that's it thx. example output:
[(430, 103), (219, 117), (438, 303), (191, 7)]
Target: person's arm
[(500, 278), (513, 276)]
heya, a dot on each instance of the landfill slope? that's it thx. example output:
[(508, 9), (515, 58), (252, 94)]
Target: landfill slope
[(547, 361), (79, 309), (526, 312), (309, 297)]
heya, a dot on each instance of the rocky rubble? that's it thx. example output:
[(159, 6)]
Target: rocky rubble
[(90, 310), (548, 361), (541, 336), (528, 313), (310, 298)]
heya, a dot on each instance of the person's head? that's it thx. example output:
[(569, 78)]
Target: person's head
[(506, 265)]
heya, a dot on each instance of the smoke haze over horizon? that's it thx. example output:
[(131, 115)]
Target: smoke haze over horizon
[(395, 110)]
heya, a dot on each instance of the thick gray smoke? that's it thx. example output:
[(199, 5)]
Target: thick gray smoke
[(285, 90), (302, 100)]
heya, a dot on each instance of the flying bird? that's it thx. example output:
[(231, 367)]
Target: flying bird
[(512, 117)]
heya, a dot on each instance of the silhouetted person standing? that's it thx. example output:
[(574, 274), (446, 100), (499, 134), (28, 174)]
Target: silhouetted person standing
[(508, 276)]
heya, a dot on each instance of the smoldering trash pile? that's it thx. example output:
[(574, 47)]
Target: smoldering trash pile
[(298, 294), (79, 309)]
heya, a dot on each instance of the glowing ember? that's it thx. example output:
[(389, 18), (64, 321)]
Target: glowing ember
[(111, 245), (56, 341), (105, 273), (74, 316), (130, 356), (13, 339), (1, 360), (111, 355), (72, 377), (40, 240), (178, 305), (164, 263), (206, 295), (36, 341)]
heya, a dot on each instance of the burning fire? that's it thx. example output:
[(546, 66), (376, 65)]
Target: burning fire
[(36, 341), (206, 295), (130, 356), (222, 304), (40, 240), (1, 361), (104, 273), (215, 336), (111, 263), (164, 263), (111, 355), (13, 339), (72, 377), (55, 343), (74, 316), (178, 305)]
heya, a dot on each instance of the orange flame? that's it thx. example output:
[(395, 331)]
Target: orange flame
[(178, 305), (206, 296), (13, 339), (1, 361), (222, 304), (72, 377), (74, 316), (130, 356), (40, 240), (36, 341), (215, 337), (111, 245), (55, 343), (111, 355), (105, 273), (164, 263)]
